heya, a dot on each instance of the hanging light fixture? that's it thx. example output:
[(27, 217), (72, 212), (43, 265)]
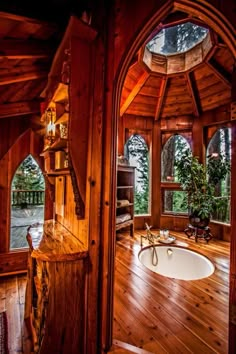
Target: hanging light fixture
[(50, 114)]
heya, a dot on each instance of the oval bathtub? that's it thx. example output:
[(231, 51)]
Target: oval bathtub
[(176, 262)]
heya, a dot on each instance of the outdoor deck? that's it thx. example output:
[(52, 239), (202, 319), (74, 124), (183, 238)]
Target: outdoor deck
[(21, 219)]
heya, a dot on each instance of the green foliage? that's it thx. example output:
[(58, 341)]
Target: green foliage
[(200, 181), (182, 37), (180, 203), (138, 151), (28, 176)]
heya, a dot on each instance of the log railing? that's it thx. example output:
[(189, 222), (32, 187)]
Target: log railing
[(25, 197)]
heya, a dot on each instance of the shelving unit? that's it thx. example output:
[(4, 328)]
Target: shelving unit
[(125, 198)]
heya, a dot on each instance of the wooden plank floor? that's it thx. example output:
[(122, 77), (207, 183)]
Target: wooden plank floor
[(12, 299), (152, 313), (157, 314)]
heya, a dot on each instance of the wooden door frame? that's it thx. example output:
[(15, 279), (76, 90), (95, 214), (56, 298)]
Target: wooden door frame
[(221, 25)]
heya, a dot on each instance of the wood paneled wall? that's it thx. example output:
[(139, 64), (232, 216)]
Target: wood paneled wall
[(129, 124), (25, 144)]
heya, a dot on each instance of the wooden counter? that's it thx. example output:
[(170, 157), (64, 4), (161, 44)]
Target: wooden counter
[(54, 243), (55, 294)]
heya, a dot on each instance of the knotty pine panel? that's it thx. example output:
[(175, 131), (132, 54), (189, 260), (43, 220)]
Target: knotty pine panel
[(176, 110), (151, 87), (218, 99), (132, 77), (205, 77), (211, 89), (142, 109), (224, 57), (144, 100), (131, 121)]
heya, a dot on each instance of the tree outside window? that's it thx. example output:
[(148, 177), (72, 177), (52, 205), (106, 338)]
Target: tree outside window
[(27, 201), (175, 201), (220, 144), (137, 153)]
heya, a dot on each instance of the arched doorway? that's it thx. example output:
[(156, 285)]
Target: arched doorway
[(207, 13), (27, 201)]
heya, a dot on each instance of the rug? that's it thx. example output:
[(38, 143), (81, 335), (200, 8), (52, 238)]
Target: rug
[(3, 333)]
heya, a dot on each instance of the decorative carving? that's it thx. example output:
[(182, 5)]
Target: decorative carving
[(79, 204)]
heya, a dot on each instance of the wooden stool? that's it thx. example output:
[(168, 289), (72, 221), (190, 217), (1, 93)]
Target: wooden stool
[(199, 232)]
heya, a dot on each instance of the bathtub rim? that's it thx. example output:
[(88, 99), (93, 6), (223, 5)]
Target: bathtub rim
[(176, 246)]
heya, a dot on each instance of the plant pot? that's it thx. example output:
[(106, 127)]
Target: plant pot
[(197, 221)]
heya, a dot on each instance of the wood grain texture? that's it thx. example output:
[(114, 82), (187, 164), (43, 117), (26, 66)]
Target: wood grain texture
[(52, 242), (55, 293), (160, 314)]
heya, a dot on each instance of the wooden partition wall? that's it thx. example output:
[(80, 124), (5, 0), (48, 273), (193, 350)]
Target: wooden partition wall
[(27, 143)]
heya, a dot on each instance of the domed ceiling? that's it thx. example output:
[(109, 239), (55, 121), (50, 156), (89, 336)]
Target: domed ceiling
[(183, 69)]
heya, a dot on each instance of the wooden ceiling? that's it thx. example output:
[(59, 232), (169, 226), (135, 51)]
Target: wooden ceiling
[(30, 33), (158, 89), (27, 49), (26, 53)]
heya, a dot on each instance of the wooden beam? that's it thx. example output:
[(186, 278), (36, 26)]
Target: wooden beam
[(191, 84), (11, 79), (19, 109), (134, 93), (22, 49), (161, 96), (24, 19), (220, 72)]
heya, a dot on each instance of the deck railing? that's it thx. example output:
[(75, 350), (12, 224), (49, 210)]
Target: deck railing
[(25, 197)]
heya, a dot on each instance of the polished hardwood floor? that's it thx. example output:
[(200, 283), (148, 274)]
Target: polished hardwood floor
[(163, 315), (152, 313)]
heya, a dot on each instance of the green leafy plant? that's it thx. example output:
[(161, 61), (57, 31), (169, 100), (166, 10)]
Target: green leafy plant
[(200, 181)]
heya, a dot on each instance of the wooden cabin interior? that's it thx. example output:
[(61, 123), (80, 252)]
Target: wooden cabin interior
[(78, 81)]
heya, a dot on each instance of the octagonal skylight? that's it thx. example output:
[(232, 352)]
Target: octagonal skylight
[(177, 39)]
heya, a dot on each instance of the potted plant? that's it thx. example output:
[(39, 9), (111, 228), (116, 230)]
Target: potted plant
[(200, 182)]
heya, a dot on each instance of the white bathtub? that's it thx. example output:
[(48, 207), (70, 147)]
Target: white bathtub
[(176, 262)]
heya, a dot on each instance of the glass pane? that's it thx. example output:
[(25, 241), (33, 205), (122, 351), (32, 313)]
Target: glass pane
[(175, 201), (27, 201), (177, 39), (138, 155), (172, 150), (219, 148)]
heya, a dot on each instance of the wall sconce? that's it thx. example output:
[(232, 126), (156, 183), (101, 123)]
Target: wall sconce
[(50, 115)]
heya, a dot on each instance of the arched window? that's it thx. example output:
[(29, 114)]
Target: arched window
[(172, 150), (174, 199), (27, 201), (219, 147), (136, 150)]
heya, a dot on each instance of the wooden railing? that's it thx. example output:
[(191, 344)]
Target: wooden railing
[(23, 198)]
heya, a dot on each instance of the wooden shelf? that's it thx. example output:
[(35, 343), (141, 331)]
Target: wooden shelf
[(59, 172), (125, 191), (59, 144), (125, 206), (124, 187)]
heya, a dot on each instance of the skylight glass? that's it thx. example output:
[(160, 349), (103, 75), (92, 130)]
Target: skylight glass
[(177, 39)]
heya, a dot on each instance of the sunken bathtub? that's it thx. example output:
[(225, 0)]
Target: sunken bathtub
[(176, 262)]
